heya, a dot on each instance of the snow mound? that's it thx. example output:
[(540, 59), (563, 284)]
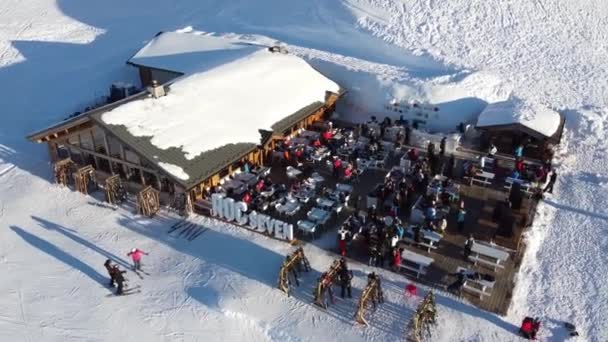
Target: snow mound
[(174, 170)]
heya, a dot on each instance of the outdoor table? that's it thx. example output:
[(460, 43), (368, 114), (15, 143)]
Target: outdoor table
[(290, 208), (317, 178), (421, 262), (236, 186), (325, 203), (268, 193), (346, 188), (310, 135), (486, 177), (307, 227), (299, 141), (495, 254), (304, 195), (246, 178), (485, 286), (261, 171), (292, 172), (318, 215)]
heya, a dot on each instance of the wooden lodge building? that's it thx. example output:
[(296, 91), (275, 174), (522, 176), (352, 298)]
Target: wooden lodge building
[(122, 138)]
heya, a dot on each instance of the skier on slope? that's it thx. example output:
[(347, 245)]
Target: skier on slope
[(109, 268), (136, 255), (118, 277)]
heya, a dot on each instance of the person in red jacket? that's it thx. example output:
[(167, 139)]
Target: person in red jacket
[(327, 135), (247, 197), (337, 166), (396, 259), (348, 172), (316, 143), (519, 165), (412, 154), (529, 328)]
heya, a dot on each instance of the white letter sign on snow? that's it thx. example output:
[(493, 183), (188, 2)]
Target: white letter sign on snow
[(230, 210)]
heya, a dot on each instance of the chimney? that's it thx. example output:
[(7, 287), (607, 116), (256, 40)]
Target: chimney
[(156, 90)]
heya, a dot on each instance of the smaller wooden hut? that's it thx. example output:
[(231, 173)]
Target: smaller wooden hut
[(515, 121)]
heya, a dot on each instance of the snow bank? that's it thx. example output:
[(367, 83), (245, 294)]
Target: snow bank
[(516, 111), (174, 170), (227, 104)]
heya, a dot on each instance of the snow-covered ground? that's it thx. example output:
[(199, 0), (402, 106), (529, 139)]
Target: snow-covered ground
[(58, 56)]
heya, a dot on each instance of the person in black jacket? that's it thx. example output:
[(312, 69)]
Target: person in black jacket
[(549, 187), (461, 278), (108, 266), (345, 276), (119, 279)]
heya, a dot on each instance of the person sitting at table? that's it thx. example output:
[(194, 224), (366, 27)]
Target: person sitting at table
[(519, 151), (431, 213), (348, 172), (246, 197), (468, 246), (373, 213), (412, 154), (492, 150), (444, 197), (460, 218), (399, 230), (246, 166), (516, 175), (540, 174), (519, 165), (337, 166), (470, 169), (259, 185), (396, 259), (298, 155), (417, 234), (327, 135)]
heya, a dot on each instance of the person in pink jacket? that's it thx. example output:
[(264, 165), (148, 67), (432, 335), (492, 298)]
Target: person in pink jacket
[(136, 255)]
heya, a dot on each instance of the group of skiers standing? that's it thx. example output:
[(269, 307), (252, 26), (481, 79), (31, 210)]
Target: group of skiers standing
[(116, 274)]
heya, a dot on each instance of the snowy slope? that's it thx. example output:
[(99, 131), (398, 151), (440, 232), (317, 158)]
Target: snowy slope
[(58, 56)]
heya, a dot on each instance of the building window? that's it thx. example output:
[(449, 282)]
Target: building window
[(98, 139), (114, 146), (86, 141), (62, 152), (131, 157)]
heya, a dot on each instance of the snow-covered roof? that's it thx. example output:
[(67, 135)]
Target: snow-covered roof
[(187, 52), (516, 111), (224, 105), (227, 104)]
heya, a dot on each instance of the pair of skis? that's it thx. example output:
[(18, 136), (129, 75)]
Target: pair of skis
[(187, 230), (126, 292)]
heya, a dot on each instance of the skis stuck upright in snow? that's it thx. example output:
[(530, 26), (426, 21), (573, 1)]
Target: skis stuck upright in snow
[(187, 230)]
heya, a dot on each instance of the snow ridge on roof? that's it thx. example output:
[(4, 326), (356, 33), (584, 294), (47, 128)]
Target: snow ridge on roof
[(225, 105), (517, 111), (187, 52)]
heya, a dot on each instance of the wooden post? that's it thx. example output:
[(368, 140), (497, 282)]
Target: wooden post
[(82, 178), (292, 261), (148, 201), (53, 151), (107, 146), (94, 148)]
